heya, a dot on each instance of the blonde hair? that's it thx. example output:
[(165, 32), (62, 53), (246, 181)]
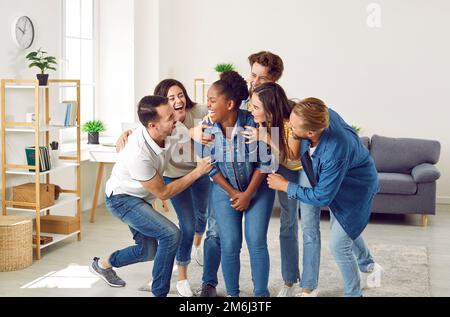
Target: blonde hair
[(314, 113)]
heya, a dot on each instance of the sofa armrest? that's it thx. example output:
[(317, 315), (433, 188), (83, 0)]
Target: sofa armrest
[(425, 173)]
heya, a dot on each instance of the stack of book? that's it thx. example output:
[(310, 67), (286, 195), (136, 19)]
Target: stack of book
[(44, 158), (64, 114)]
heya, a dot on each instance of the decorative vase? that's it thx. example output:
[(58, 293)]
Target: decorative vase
[(93, 138), (43, 79)]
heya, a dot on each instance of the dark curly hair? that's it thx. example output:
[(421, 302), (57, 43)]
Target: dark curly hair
[(233, 86), (163, 89)]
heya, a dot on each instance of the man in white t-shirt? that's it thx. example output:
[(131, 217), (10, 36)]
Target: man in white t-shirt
[(136, 180)]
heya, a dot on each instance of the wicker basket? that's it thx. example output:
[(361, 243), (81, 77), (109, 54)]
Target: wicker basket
[(16, 249)]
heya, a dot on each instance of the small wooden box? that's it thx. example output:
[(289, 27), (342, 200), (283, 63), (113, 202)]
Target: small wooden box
[(27, 193), (44, 239), (59, 224)]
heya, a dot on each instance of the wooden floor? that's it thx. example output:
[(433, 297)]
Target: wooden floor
[(383, 229)]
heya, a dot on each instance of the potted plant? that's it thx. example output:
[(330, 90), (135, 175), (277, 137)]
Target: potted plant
[(40, 60), (220, 68), (93, 128), (357, 129)]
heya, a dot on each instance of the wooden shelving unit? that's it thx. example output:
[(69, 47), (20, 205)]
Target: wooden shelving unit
[(68, 195)]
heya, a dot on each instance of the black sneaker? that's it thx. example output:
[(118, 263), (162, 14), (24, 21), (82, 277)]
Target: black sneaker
[(208, 291), (108, 275)]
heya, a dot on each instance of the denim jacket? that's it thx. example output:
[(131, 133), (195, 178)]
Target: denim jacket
[(347, 179), (235, 159)]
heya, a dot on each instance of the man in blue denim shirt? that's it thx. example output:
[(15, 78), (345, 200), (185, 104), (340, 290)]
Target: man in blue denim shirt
[(344, 177)]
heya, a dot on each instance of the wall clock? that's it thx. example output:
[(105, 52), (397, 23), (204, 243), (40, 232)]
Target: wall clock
[(23, 32)]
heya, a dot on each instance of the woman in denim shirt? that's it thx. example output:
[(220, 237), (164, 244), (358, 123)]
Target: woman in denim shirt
[(239, 188), (271, 109)]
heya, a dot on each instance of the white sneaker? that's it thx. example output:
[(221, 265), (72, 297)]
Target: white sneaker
[(147, 288), (174, 269), (198, 255), (286, 291), (314, 293), (184, 289), (374, 278)]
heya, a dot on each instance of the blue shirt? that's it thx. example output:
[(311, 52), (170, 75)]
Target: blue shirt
[(347, 179), (235, 159)]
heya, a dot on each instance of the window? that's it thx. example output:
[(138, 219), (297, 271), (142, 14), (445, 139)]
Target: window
[(78, 52)]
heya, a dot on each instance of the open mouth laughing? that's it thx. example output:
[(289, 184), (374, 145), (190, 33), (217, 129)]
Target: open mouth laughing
[(178, 107)]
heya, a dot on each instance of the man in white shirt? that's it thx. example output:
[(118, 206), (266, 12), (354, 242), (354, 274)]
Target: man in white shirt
[(136, 180)]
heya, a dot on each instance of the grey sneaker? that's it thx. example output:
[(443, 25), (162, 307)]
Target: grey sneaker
[(108, 275), (208, 291)]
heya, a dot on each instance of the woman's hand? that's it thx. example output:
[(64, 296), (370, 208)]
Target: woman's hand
[(197, 134), (240, 201), (122, 141), (253, 134)]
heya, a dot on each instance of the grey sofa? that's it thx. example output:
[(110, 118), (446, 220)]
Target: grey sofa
[(406, 173)]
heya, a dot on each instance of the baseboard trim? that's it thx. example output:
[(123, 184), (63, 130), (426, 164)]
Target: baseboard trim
[(443, 200)]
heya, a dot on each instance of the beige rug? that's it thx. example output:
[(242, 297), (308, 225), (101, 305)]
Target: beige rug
[(406, 272)]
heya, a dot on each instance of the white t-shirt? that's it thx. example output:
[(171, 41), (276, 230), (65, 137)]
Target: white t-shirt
[(139, 161)]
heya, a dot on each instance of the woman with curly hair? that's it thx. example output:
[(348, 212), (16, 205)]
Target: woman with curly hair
[(239, 189)]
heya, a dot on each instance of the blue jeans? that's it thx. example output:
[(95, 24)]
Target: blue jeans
[(211, 248), (151, 232), (191, 207), (350, 256), (229, 222), (310, 220), (289, 230)]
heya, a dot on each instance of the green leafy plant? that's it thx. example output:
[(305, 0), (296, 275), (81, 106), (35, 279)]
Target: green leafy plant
[(356, 128), (220, 68), (40, 60), (93, 126)]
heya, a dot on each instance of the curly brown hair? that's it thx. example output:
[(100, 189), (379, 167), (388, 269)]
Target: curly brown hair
[(267, 59)]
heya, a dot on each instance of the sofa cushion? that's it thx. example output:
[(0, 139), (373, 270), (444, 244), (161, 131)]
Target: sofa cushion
[(425, 173), (396, 183), (401, 155)]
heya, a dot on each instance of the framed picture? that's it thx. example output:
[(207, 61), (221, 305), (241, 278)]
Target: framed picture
[(199, 90)]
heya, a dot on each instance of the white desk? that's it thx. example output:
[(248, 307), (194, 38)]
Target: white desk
[(103, 155)]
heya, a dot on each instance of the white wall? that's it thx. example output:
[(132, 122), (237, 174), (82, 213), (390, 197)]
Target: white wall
[(128, 58), (146, 48), (47, 33), (116, 63), (391, 81)]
